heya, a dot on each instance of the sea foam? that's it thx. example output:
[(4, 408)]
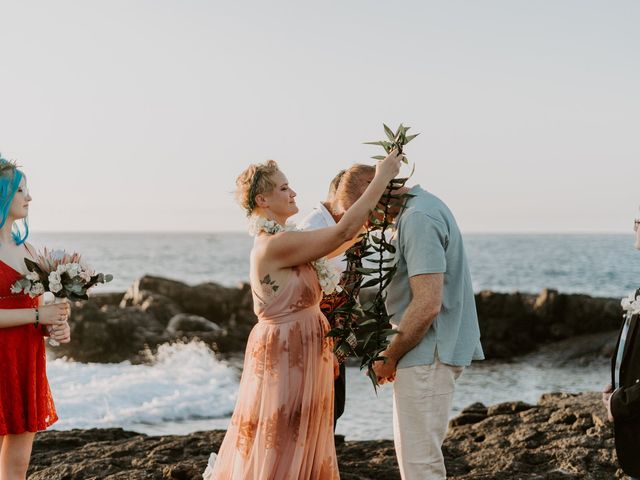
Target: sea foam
[(184, 382)]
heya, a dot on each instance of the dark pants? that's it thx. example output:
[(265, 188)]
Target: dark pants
[(339, 392)]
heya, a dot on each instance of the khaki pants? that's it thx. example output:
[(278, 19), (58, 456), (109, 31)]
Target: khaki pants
[(422, 399)]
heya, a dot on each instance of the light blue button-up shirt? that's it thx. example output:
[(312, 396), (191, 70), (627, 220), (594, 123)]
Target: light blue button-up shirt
[(427, 240)]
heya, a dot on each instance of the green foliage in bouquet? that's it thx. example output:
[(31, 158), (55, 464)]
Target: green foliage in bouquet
[(365, 329), (70, 281), (73, 287)]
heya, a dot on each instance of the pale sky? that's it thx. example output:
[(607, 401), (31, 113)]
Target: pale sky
[(138, 115)]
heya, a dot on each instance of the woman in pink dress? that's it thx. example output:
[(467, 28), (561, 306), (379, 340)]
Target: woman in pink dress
[(282, 425)]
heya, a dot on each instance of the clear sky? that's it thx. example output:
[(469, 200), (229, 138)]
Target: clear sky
[(138, 115)]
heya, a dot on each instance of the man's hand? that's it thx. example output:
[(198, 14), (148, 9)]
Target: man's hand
[(385, 369), (606, 400)]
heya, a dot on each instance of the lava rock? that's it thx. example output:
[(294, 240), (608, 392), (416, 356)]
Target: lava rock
[(512, 443)]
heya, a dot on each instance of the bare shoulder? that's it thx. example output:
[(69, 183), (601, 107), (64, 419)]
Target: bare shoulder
[(264, 248), (260, 246), (269, 244)]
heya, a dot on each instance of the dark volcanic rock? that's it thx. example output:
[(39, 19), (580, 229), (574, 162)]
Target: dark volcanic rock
[(117, 327), (507, 324), (508, 408), (208, 300), (109, 333), (514, 324), (184, 322), (474, 413), (563, 437), (583, 349), (511, 324), (117, 454), (109, 298), (160, 307)]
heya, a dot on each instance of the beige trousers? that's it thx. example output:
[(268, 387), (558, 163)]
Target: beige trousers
[(422, 399)]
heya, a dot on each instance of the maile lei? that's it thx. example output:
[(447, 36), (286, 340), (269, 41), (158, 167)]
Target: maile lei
[(369, 323), (328, 276)]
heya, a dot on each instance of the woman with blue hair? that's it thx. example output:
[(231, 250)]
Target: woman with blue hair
[(26, 405)]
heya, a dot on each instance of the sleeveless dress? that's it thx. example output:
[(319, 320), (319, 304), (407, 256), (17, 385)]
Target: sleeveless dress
[(282, 425), (25, 398)]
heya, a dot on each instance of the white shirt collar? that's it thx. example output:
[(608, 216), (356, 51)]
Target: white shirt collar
[(326, 214)]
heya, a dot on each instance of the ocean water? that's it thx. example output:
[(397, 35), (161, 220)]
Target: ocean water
[(601, 265), (186, 388), (185, 382)]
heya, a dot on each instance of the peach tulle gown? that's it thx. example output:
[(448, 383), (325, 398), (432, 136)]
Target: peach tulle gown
[(282, 425)]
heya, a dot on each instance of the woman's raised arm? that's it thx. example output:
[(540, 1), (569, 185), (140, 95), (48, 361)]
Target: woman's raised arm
[(288, 249)]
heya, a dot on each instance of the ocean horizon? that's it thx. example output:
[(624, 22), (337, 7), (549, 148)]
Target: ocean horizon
[(594, 264)]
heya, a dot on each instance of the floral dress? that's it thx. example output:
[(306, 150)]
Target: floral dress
[(282, 425)]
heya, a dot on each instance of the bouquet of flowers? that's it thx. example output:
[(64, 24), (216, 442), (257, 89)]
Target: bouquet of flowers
[(63, 274)]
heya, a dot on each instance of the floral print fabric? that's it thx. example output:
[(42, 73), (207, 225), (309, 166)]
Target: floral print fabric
[(282, 425)]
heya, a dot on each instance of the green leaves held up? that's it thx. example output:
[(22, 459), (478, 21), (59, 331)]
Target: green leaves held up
[(397, 141)]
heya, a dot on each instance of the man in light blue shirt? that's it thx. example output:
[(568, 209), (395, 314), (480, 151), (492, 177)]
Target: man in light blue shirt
[(429, 245), (432, 303)]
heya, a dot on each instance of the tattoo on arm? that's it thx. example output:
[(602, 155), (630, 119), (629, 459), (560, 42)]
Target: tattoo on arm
[(269, 285)]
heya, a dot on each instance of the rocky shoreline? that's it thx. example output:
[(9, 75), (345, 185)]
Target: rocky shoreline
[(562, 437), (114, 327)]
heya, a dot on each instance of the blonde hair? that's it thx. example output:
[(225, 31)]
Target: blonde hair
[(353, 183), (255, 180), (333, 186)]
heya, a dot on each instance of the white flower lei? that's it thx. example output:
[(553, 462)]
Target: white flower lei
[(631, 304), (328, 275)]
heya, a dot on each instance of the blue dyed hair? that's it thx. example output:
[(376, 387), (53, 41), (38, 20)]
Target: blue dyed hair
[(10, 178)]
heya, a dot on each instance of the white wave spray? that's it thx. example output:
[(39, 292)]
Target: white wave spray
[(184, 382)]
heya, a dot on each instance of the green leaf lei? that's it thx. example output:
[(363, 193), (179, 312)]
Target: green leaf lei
[(364, 330)]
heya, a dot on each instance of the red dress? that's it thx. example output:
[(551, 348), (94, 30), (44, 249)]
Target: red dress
[(25, 398)]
